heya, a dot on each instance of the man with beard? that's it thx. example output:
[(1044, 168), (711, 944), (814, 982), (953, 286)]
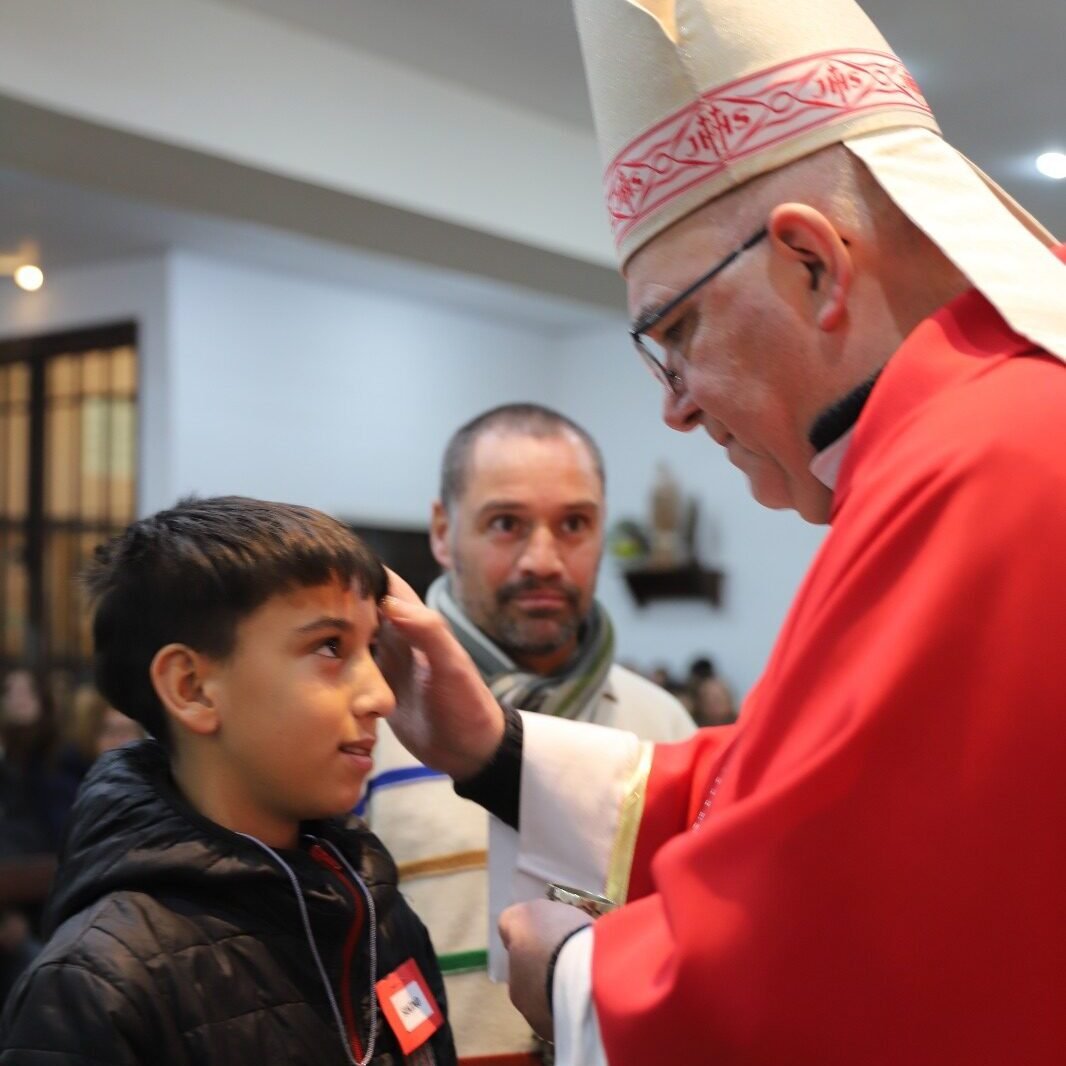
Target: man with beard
[(518, 530)]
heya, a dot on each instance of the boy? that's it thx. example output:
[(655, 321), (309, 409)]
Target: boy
[(209, 907)]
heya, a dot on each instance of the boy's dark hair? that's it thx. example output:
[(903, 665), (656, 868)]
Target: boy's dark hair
[(190, 574), (528, 418)]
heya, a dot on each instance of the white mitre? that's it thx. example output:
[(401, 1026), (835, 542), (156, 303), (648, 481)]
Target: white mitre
[(695, 97)]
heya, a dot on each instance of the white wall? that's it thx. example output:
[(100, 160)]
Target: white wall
[(100, 294), (269, 385), (251, 89), (763, 554), (337, 398)]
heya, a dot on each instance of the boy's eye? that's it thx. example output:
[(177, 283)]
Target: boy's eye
[(330, 648)]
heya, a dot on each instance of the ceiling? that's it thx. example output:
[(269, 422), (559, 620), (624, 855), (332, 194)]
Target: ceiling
[(522, 51), (992, 72), (76, 226)]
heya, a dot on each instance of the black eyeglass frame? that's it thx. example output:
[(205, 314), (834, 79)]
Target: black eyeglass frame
[(668, 378)]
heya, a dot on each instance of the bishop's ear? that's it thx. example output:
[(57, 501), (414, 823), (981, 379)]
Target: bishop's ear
[(182, 681), (803, 235)]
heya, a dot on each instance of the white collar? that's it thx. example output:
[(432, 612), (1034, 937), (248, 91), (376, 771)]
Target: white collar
[(825, 466)]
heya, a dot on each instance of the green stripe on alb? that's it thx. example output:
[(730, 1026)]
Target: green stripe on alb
[(463, 962)]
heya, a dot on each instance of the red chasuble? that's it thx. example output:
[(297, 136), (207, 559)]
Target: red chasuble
[(879, 872)]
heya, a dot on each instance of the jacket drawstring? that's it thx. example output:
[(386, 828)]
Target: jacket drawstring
[(309, 935)]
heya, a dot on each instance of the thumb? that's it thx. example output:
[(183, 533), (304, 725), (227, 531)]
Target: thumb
[(505, 925)]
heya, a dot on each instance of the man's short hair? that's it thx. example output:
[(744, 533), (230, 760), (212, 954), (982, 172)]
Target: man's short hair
[(530, 419), (190, 574)]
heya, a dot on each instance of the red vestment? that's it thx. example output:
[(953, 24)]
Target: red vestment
[(880, 876)]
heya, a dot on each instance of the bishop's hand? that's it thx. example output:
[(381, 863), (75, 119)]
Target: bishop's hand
[(445, 715)]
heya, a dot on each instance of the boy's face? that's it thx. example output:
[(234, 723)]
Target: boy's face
[(297, 704)]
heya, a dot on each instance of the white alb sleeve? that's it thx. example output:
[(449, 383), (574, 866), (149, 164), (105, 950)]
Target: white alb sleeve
[(581, 783), (577, 1032)]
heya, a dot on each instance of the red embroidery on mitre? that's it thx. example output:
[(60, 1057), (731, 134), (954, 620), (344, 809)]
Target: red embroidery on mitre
[(737, 120)]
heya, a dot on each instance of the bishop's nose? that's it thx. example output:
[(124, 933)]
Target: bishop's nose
[(679, 411)]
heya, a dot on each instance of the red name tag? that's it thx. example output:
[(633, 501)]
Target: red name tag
[(409, 1006)]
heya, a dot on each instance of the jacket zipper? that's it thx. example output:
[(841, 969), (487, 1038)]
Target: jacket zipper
[(351, 942)]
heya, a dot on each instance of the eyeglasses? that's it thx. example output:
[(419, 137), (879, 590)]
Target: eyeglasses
[(652, 352)]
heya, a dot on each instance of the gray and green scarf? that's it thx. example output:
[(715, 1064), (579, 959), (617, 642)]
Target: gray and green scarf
[(565, 694)]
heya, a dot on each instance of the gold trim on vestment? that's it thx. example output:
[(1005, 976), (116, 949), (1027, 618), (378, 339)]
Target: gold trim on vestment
[(630, 813)]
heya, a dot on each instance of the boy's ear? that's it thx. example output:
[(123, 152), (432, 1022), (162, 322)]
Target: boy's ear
[(438, 535), (181, 678), (804, 235)]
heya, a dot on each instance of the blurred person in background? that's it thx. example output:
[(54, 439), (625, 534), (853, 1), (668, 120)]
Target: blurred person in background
[(710, 699), (36, 790), (36, 793), (99, 727)]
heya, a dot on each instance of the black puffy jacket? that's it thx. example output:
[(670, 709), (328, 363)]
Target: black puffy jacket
[(179, 942)]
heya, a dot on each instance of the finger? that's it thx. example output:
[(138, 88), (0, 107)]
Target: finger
[(423, 629), (399, 589), (506, 924), (407, 612), (393, 651), (395, 608)]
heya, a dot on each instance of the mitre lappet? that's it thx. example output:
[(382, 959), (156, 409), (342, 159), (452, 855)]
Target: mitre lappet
[(692, 98)]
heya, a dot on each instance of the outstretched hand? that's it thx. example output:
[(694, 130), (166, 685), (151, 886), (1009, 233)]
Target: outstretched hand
[(445, 715)]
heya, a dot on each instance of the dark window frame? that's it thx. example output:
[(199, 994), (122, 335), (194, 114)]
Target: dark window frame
[(36, 352)]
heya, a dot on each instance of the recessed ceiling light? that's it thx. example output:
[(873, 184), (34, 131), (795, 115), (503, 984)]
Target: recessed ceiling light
[(29, 277), (1052, 165)]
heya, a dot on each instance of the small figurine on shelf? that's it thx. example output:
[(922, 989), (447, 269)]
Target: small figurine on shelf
[(659, 560), (667, 519)]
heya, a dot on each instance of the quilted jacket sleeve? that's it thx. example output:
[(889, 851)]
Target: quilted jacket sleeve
[(63, 1014)]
